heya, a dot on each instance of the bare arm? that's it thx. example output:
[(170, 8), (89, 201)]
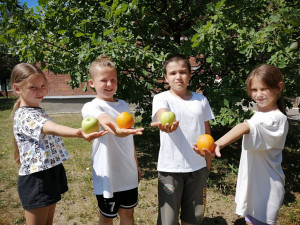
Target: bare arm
[(234, 134), (64, 131), (108, 123), (168, 127)]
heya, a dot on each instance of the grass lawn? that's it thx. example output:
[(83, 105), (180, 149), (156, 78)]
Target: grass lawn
[(79, 206)]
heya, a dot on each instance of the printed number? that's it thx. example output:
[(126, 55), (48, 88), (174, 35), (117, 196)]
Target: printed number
[(112, 205)]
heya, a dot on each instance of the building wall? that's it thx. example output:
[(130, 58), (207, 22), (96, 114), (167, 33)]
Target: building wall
[(59, 86)]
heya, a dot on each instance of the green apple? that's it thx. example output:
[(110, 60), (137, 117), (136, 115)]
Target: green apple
[(167, 117), (90, 124)]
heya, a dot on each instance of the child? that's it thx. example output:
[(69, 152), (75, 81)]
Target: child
[(182, 174), (114, 161), (260, 184), (38, 147)]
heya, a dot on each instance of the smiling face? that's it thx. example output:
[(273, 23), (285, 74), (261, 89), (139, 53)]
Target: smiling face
[(105, 82), (265, 97), (178, 76), (32, 90)]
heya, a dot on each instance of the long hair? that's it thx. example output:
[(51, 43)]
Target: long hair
[(20, 73), (271, 76), (102, 61)]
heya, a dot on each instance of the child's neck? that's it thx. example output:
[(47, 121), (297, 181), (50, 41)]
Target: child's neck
[(185, 95)]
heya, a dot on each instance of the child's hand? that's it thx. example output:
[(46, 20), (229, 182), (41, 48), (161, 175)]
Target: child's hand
[(140, 174), (167, 128), (204, 153), (91, 136), (218, 150), (122, 132)]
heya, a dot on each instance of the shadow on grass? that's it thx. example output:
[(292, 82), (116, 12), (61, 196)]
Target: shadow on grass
[(7, 103), (147, 147), (216, 220)]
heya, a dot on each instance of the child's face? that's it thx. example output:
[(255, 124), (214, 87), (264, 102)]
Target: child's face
[(178, 75), (105, 82), (265, 97), (32, 91)]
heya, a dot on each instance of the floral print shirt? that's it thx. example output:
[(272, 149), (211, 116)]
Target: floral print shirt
[(37, 151)]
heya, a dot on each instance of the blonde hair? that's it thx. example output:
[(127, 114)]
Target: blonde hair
[(19, 75), (271, 76), (102, 61)]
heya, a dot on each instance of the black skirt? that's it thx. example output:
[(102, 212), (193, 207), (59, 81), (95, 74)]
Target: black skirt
[(42, 188)]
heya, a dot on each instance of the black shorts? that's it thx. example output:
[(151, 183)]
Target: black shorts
[(42, 188), (109, 207)]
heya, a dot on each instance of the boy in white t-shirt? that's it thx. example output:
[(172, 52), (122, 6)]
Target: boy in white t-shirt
[(182, 174), (114, 162)]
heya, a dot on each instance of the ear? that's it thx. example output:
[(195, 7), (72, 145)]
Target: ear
[(166, 79), (16, 88), (281, 85), (91, 83)]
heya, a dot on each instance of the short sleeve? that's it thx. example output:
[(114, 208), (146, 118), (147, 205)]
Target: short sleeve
[(266, 133), (158, 103), (30, 123), (207, 110), (91, 109)]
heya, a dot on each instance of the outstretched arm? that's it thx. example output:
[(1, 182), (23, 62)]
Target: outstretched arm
[(108, 123), (231, 136), (168, 127), (64, 131)]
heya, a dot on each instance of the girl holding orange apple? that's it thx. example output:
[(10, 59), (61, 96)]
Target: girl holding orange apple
[(260, 185), (39, 148), (182, 174)]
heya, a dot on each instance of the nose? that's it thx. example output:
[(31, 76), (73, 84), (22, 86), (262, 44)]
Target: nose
[(178, 76)]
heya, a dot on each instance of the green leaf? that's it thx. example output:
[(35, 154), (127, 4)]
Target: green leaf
[(79, 34), (62, 31)]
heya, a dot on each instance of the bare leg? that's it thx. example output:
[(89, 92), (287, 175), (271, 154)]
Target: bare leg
[(126, 216), (40, 216), (105, 220)]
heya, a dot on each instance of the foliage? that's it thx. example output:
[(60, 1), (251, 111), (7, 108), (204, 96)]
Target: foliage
[(234, 36)]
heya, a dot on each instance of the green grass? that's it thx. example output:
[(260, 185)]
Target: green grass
[(79, 205)]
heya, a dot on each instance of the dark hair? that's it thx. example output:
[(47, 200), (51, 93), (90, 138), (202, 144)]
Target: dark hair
[(271, 76), (175, 58), (19, 75)]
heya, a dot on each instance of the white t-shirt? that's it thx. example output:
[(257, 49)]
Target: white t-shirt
[(260, 184), (113, 162), (176, 153), (37, 151)]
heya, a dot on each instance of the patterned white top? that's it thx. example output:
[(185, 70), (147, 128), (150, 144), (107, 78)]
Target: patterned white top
[(37, 151)]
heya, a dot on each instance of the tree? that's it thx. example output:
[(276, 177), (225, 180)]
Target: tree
[(7, 62), (234, 36)]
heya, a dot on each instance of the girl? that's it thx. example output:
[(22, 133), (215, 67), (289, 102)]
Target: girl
[(38, 147), (260, 184), (180, 170)]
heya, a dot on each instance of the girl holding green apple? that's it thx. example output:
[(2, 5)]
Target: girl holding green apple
[(39, 148)]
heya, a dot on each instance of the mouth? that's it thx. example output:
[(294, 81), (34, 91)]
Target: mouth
[(259, 100)]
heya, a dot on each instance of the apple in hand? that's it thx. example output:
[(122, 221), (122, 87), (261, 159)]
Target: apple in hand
[(90, 124), (167, 117)]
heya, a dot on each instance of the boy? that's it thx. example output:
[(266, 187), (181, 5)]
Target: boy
[(182, 174), (114, 161)]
